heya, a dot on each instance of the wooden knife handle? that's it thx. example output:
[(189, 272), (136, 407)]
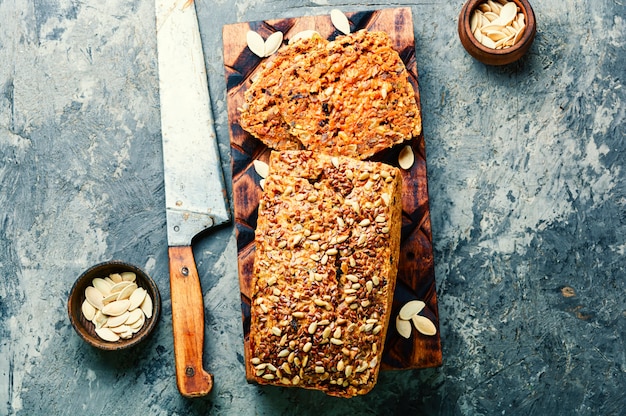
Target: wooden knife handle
[(188, 323)]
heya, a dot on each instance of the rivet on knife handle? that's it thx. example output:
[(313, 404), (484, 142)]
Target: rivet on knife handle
[(188, 323)]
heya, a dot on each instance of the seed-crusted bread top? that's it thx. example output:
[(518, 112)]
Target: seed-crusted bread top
[(349, 97), (327, 249), (260, 115)]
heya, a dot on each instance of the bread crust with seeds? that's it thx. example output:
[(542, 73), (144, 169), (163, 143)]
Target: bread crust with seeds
[(349, 97), (327, 250), (260, 113)]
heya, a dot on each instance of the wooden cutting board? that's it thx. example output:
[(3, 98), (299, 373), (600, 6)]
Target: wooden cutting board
[(416, 278)]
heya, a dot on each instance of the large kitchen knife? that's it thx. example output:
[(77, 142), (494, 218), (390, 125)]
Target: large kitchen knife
[(195, 197)]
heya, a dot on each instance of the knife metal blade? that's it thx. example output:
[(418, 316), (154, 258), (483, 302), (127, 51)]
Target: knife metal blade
[(195, 195)]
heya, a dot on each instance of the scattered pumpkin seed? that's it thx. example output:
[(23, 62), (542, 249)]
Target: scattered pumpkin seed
[(121, 329), (110, 298), (256, 43), (305, 34), (261, 168), (264, 48), (119, 286), (406, 158), (411, 308), (410, 313), (507, 13), (403, 327), (340, 21), (424, 325), (272, 43), (139, 324)]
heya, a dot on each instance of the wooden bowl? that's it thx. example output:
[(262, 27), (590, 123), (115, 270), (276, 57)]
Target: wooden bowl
[(86, 329), (492, 56)]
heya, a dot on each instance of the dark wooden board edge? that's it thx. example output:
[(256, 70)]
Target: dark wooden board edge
[(416, 277)]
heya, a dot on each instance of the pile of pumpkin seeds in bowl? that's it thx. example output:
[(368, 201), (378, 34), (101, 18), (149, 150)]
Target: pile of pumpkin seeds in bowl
[(117, 306), (498, 24)]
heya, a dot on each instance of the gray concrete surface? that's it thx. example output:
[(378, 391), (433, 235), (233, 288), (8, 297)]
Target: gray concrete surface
[(528, 198)]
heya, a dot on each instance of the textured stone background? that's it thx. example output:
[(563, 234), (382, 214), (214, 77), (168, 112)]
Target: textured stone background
[(527, 187)]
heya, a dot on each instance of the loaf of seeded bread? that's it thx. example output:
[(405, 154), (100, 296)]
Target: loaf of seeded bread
[(327, 249), (349, 97)]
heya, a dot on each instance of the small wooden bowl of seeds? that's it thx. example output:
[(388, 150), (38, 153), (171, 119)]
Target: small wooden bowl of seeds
[(114, 305), (497, 32)]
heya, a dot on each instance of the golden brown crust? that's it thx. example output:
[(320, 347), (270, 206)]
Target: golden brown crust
[(260, 114), (327, 248), (349, 97)]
